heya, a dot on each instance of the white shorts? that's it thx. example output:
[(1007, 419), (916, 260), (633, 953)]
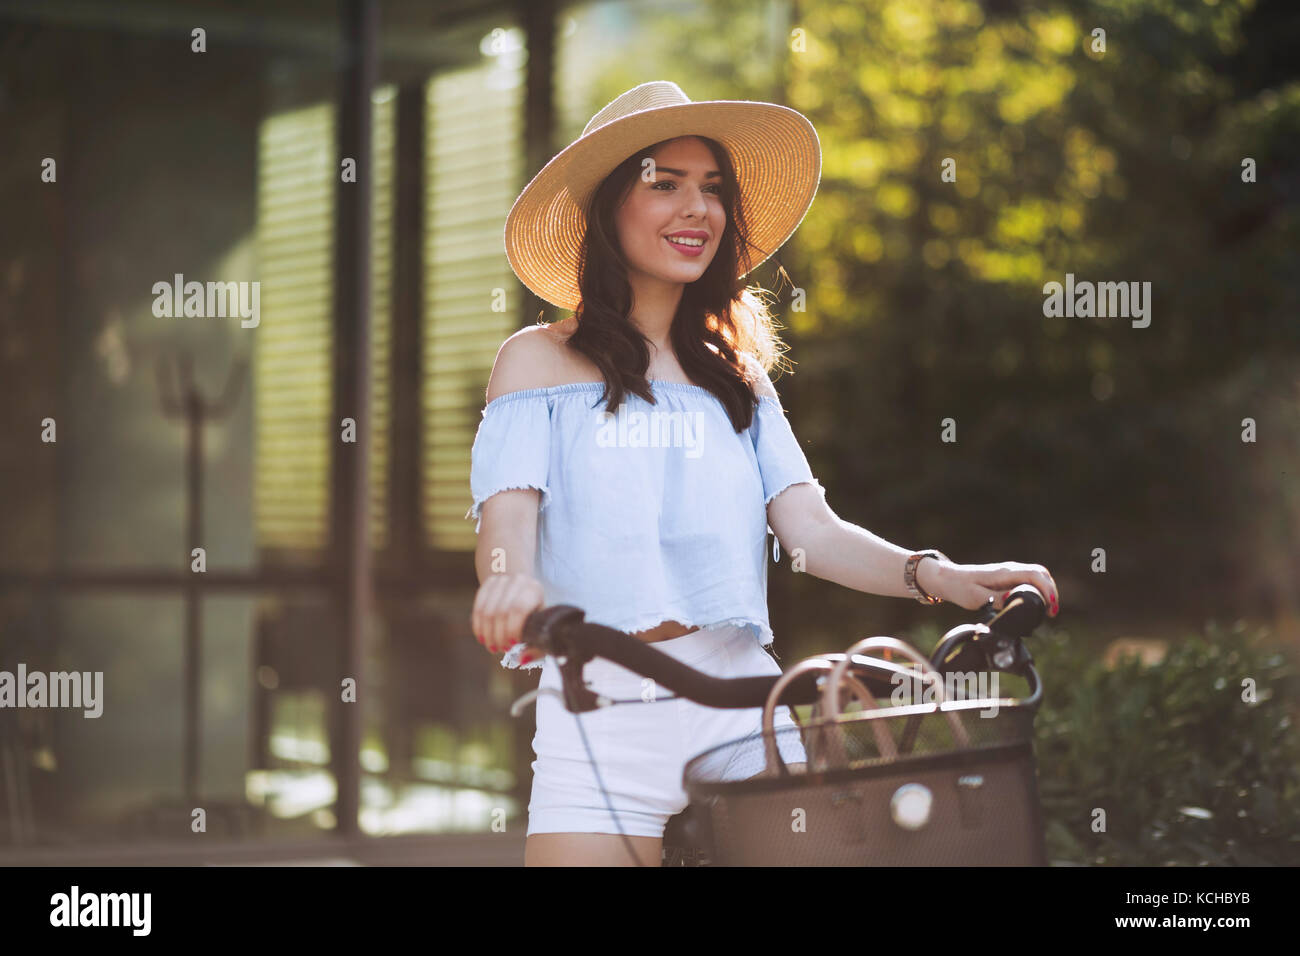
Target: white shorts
[(641, 749)]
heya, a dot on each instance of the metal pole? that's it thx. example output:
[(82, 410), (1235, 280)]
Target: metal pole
[(193, 623), (351, 514), (180, 399), (538, 18)]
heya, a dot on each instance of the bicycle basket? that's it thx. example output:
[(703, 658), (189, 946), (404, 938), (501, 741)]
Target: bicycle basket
[(936, 801)]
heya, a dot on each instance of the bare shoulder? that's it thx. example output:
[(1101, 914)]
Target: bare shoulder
[(534, 357), (525, 360)]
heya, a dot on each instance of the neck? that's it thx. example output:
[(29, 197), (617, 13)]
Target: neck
[(654, 304)]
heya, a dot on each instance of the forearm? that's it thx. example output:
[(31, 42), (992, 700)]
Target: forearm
[(502, 554), (846, 554), (507, 541)]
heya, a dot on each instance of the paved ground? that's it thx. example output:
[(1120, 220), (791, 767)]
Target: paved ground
[(494, 849)]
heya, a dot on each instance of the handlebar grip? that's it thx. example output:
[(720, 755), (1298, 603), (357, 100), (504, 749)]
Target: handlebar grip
[(540, 625), (1023, 610)]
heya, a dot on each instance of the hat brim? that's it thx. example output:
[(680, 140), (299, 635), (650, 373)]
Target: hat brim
[(775, 150)]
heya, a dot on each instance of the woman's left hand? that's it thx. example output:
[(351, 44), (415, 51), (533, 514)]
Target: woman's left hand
[(971, 585)]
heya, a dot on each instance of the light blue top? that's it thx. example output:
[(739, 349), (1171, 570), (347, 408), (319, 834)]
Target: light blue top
[(655, 513)]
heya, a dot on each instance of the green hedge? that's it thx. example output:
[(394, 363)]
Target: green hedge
[(1188, 772)]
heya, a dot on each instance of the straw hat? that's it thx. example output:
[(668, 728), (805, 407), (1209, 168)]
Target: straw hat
[(775, 150)]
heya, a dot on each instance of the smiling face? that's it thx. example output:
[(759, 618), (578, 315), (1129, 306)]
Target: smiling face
[(684, 201)]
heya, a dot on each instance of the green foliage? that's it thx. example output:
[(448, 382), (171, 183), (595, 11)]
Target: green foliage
[(924, 296), (1188, 773)]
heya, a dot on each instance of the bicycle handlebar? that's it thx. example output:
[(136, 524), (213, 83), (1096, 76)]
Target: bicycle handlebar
[(990, 644)]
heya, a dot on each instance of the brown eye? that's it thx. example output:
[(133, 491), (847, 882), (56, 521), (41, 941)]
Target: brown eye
[(665, 182)]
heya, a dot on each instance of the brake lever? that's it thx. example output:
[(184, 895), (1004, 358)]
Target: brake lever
[(520, 705), (577, 696), (547, 629)]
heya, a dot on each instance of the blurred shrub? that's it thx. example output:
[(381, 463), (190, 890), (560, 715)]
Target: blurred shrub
[(1188, 772)]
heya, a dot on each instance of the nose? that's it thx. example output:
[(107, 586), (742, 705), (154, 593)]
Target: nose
[(694, 204)]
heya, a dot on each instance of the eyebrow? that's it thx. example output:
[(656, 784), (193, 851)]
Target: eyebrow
[(711, 174)]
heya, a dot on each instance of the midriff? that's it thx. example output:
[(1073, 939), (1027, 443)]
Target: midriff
[(664, 632)]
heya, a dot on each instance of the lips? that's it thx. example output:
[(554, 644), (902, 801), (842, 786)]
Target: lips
[(690, 251)]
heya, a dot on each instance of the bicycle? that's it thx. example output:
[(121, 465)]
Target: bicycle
[(968, 795)]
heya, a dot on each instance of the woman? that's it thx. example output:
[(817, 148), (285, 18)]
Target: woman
[(631, 458)]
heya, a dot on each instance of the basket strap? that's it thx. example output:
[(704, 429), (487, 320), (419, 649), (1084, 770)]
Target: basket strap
[(841, 669), (835, 753), (774, 766)]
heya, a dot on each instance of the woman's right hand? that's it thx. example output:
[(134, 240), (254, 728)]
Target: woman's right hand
[(502, 603)]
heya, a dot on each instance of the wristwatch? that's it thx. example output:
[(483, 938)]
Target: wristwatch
[(909, 575)]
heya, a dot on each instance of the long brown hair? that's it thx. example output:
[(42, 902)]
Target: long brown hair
[(715, 310)]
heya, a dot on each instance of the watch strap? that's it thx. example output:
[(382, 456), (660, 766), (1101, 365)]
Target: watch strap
[(909, 575)]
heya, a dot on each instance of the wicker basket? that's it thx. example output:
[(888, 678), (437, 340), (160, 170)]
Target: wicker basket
[(950, 783)]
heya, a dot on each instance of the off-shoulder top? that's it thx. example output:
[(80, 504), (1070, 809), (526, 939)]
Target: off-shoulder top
[(653, 513)]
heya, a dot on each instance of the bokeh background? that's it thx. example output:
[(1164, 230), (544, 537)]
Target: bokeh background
[(1152, 470)]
